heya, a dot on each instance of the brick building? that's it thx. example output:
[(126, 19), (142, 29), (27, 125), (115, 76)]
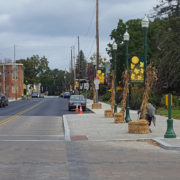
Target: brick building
[(12, 80)]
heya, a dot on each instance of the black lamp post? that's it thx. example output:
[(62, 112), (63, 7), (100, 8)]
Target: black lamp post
[(126, 40), (145, 25), (115, 74)]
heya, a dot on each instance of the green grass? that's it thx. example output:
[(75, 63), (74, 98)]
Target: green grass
[(164, 112), (109, 102)]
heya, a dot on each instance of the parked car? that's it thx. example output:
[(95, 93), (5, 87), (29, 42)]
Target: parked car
[(3, 100), (41, 96), (67, 95), (35, 95), (77, 100), (61, 95)]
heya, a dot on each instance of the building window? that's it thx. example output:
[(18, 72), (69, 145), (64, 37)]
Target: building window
[(14, 89)]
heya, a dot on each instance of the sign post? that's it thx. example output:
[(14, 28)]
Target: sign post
[(170, 131), (96, 82)]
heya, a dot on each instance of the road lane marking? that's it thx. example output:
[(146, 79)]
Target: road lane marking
[(6, 120), (32, 135), (46, 140)]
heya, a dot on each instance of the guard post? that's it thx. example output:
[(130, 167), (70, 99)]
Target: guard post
[(170, 131)]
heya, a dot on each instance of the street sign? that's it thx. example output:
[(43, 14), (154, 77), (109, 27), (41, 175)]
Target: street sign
[(167, 100), (96, 82), (86, 86), (96, 86)]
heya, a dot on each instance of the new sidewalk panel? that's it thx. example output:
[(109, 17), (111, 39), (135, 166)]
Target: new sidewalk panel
[(98, 128)]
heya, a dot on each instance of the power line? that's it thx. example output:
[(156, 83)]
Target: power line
[(91, 22), (92, 45)]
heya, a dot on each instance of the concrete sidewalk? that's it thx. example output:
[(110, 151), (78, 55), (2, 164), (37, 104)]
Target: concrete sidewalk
[(94, 127)]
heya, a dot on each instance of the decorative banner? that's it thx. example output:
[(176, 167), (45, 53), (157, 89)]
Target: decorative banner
[(137, 69), (24, 86), (77, 84), (100, 75)]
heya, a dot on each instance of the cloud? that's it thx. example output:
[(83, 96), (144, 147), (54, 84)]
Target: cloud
[(51, 27)]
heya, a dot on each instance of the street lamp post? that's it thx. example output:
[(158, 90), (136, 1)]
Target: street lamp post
[(115, 73), (145, 25), (126, 39)]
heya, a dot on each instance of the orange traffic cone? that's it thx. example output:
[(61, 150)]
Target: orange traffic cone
[(77, 110), (80, 111)]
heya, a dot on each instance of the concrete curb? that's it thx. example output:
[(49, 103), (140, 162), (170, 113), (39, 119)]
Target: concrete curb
[(66, 129), (165, 145)]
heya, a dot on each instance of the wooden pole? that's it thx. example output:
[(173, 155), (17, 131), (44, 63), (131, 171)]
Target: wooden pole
[(97, 33), (79, 63)]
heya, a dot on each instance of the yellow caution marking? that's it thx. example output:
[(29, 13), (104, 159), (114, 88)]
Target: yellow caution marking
[(6, 120)]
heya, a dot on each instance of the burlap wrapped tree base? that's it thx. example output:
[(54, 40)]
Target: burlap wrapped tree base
[(119, 117), (96, 106), (138, 127), (108, 113)]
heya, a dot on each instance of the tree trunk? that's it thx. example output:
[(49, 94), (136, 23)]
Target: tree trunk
[(125, 90)]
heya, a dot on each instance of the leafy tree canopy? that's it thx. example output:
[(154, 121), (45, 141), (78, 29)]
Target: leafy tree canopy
[(33, 68)]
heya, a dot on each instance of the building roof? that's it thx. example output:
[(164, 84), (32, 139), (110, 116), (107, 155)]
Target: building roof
[(11, 64)]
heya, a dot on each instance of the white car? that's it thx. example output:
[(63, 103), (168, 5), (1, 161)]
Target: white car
[(35, 95)]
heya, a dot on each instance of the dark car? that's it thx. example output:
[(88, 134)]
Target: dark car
[(35, 95), (67, 95), (77, 100), (3, 100)]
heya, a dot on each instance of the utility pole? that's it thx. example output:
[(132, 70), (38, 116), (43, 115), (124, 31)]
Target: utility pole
[(16, 71), (74, 68), (72, 79), (79, 63), (97, 42), (97, 33)]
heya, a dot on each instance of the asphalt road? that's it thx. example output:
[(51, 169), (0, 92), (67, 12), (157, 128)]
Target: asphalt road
[(32, 147), (46, 107)]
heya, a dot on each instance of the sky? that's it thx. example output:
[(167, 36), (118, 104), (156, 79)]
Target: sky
[(50, 27)]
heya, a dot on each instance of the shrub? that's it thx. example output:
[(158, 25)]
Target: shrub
[(176, 101), (136, 97), (105, 97)]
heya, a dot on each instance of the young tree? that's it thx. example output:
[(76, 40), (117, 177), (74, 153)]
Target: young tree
[(81, 66)]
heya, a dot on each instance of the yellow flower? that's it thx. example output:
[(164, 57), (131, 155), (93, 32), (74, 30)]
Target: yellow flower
[(141, 64), (135, 59), (142, 71), (136, 71), (132, 76), (132, 66), (99, 71), (140, 78)]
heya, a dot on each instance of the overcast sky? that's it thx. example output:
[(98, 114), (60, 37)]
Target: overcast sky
[(50, 27)]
